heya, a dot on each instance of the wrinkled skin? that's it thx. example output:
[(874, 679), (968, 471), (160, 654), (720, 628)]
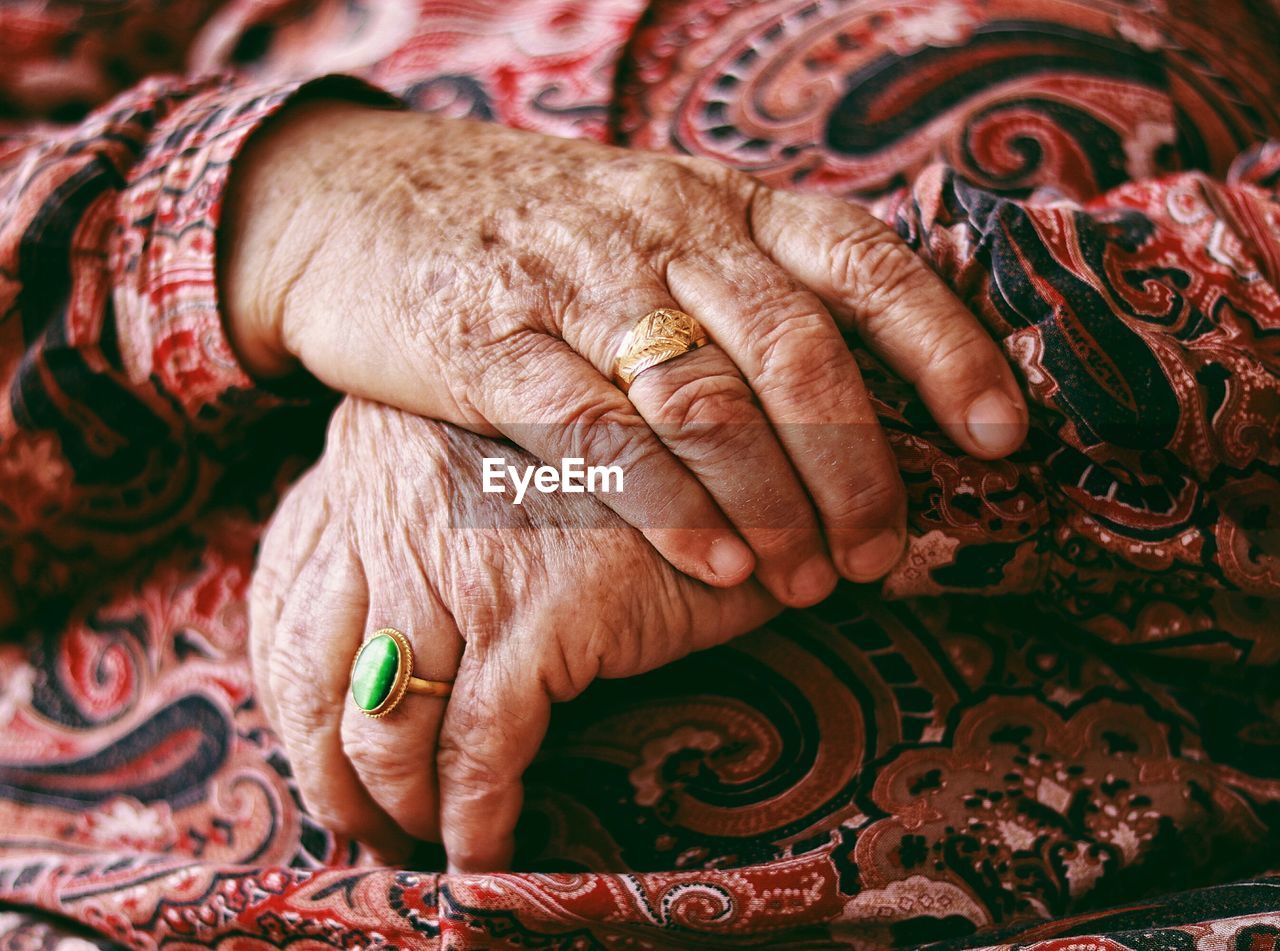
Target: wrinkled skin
[(523, 606), (486, 277)]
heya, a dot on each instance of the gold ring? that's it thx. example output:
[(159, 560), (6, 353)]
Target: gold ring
[(382, 673), (656, 338)]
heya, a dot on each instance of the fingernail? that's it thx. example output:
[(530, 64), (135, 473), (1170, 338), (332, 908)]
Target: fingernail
[(813, 580), (729, 558), (873, 559), (995, 423)]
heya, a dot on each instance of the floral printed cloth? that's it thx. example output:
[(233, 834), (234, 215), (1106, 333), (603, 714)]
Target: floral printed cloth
[(1055, 725)]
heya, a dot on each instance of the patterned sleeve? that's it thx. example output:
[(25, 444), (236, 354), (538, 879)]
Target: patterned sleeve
[(122, 399), (1145, 324)]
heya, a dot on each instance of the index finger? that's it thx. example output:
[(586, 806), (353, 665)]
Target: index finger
[(807, 381), (906, 314)]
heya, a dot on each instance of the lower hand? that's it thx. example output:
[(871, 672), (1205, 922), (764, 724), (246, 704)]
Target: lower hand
[(520, 615)]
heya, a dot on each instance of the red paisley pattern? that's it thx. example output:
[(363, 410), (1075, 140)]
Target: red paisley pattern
[(1055, 725), (856, 97)]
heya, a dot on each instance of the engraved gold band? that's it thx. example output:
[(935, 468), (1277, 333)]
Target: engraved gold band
[(657, 337)]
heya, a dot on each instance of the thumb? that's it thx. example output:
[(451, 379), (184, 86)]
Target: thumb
[(494, 723)]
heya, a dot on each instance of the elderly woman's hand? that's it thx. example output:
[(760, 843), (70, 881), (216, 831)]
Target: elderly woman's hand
[(484, 276), (389, 529)]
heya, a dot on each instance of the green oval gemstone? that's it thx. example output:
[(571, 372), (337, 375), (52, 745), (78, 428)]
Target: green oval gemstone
[(374, 673)]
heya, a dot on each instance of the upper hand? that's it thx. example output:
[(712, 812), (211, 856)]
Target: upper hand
[(389, 529), (485, 276)]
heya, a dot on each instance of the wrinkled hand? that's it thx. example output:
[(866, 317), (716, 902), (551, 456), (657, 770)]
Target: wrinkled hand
[(524, 615), (486, 277)]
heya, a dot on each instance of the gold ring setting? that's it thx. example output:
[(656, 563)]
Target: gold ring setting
[(657, 337), (382, 673)]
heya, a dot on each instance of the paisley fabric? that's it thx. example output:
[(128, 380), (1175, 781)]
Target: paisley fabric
[(1075, 97), (1055, 725)]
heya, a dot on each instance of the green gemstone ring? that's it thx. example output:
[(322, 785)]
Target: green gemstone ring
[(382, 673)]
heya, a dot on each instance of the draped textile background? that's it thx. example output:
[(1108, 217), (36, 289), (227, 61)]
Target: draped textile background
[(1058, 717)]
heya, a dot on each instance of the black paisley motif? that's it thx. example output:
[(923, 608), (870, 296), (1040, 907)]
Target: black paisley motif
[(120, 645), (499, 925), (458, 97), (876, 112), (690, 774), (1112, 385), (169, 757)]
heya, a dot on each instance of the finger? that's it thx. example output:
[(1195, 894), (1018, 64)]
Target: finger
[(689, 618), (796, 361), (320, 629), (702, 408), (287, 545), (588, 418), (704, 412), (394, 756), (500, 708), (494, 723), (903, 311), (265, 605)]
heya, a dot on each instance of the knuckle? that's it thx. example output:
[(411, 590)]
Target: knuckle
[(873, 503), (703, 165), (656, 182), (874, 263), (374, 755), (802, 359), (768, 292), (595, 413), (718, 453), (509, 363), (462, 849), (404, 788), (772, 542), (715, 173), (469, 776), (664, 192), (663, 172), (954, 351), (610, 435), (705, 401), (302, 708)]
